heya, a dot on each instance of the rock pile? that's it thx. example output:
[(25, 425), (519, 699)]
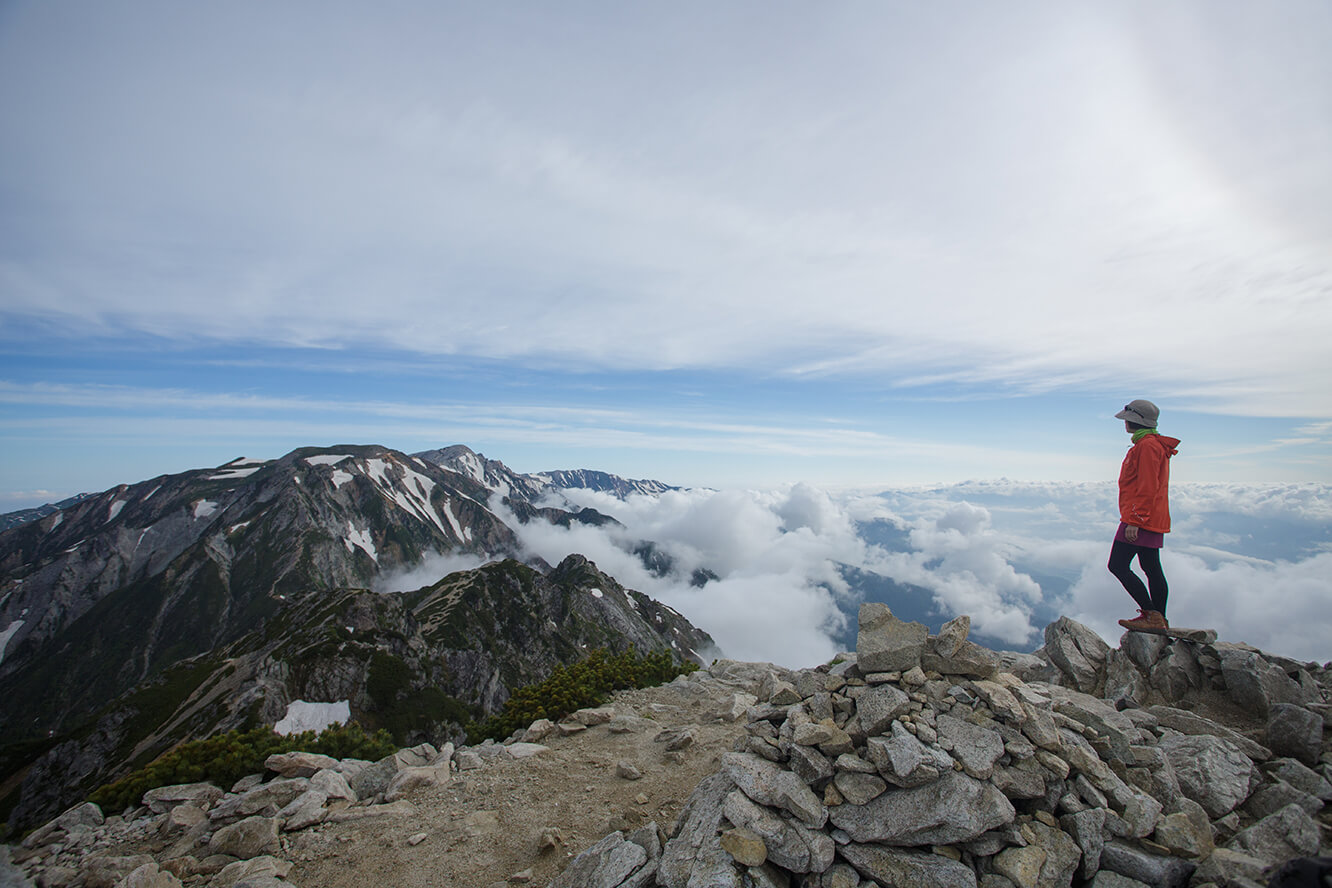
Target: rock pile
[(930, 761)]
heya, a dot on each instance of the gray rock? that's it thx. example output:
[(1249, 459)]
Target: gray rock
[(1020, 864), (252, 837), (1211, 771), (164, 798), (907, 869), (904, 761), (1022, 780), (809, 764), (1078, 652), (1062, 854), (149, 876), (1272, 797), (1231, 869), (1255, 684), (1087, 829), (1143, 649), (1120, 732), (1177, 675), (1295, 732), (333, 785), (954, 808), (789, 845), (613, 862), (373, 779), (951, 636), (1303, 778), (269, 798), (767, 784), (977, 748), (243, 871), (298, 764), (970, 659), (1196, 725), (1107, 879), (1148, 868), (886, 644), (858, 788), (879, 706), (1288, 833), (694, 856)]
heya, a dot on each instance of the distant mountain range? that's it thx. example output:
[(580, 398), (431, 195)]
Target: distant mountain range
[(151, 613)]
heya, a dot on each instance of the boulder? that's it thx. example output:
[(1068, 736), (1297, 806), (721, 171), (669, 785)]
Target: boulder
[(1211, 771), (613, 862), (907, 868), (1288, 833), (879, 706), (904, 761), (1078, 653), (1295, 732), (787, 844), (164, 798), (252, 837), (970, 659), (770, 785), (694, 855), (1156, 870), (149, 876), (298, 764), (886, 644), (1189, 723), (1255, 684), (954, 808), (976, 747)]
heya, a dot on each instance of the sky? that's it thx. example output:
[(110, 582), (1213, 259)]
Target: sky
[(739, 245)]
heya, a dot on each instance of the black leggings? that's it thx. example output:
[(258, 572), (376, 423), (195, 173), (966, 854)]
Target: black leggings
[(1149, 597)]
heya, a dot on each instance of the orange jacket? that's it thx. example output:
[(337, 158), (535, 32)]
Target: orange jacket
[(1144, 483)]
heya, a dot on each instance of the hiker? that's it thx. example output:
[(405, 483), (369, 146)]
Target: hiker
[(1144, 514)]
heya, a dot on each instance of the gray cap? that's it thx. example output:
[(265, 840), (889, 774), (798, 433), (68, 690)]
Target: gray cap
[(1143, 413)]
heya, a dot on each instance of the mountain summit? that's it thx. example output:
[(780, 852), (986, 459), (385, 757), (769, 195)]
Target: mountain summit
[(498, 477)]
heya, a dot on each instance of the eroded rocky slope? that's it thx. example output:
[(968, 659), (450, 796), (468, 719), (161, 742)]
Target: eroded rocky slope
[(917, 760)]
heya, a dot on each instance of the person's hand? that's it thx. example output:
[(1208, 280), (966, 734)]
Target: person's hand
[(1131, 533)]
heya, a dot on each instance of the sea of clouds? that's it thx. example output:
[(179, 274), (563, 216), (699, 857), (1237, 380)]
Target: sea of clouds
[(793, 565)]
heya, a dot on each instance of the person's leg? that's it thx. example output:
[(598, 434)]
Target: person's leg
[(1121, 559), (1150, 562)]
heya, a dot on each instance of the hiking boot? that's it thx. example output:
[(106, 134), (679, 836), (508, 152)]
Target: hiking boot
[(1146, 620)]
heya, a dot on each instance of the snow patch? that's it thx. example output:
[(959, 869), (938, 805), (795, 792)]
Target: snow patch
[(7, 634), (235, 527), (412, 493), (597, 593), (302, 716), (233, 474), (360, 539), (327, 459), (59, 518), (340, 477), (115, 510), (204, 508)]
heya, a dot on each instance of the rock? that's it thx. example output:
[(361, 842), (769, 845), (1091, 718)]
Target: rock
[(904, 761), (1196, 725), (977, 748), (1021, 866), (1295, 732), (613, 862), (1143, 649), (1078, 652), (951, 636), (886, 644), (592, 717), (1023, 780), (467, 760), (734, 707), (879, 706), (538, 730), (745, 847), (164, 798), (809, 764), (249, 870), (298, 764), (1182, 837), (269, 798), (1087, 829), (105, 870), (907, 868), (149, 876), (627, 770), (1254, 683), (333, 785), (954, 808), (180, 819), (418, 756), (1272, 797), (1109, 723), (1062, 853), (252, 837), (769, 785), (1211, 771), (1107, 879), (694, 855), (786, 843), (524, 750), (1227, 868), (857, 788), (304, 811), (970, 659), (1301, 777), (677, 739), (409, 780), (1290, 832), (1151, 869)]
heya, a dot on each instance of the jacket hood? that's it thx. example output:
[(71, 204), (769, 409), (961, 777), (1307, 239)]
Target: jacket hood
[(1165, 441)]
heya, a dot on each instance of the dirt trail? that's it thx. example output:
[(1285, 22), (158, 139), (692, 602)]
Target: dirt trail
[(485, 826)]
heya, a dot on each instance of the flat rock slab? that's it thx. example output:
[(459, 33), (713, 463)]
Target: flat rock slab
[(1200, 636)]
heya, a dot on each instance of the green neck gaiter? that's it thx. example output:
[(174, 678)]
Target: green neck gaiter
[(1143, 433)]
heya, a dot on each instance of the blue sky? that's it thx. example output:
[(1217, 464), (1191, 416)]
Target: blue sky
[(733, 245)]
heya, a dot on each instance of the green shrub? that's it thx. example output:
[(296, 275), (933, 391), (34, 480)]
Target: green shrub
[(226, 758), (589, 682)]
